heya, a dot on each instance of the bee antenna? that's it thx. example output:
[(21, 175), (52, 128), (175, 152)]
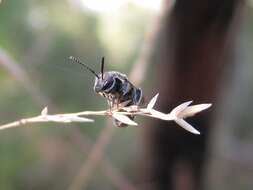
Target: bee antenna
[(78, 61), (102, 67)]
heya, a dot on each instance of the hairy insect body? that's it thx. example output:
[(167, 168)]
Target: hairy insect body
[(117, 89)]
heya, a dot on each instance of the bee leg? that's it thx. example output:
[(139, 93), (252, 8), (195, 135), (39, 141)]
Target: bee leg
[(117, 103), (114, 103), (109, 104)]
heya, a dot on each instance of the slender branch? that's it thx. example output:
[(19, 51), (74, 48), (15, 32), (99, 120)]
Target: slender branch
[(15, 70), (177, 114), (78, 138), (141, 65), (136, 76)]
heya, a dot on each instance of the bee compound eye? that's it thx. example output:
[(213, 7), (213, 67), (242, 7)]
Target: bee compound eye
[(108, 84)]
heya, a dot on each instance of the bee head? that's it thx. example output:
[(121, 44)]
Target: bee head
[(104, 82)]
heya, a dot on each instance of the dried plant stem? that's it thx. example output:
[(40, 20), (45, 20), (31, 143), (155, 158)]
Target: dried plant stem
[(115, 176), (177, 114), (137, 75), (15, 70)]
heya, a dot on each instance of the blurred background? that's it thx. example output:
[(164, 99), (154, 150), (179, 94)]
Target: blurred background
[(197, 50)]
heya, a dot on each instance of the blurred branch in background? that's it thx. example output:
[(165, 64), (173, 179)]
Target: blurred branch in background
[(231, 141), (139, 72), (20, 75), (195, 54), (76, 136), (137, 75), (190, 52)]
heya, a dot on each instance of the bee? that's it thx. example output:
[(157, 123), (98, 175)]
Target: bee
[(115, 87)]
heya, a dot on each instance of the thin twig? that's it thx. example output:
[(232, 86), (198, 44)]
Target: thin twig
[(121, 182), (17, 72), (178, 115), (137, 75)]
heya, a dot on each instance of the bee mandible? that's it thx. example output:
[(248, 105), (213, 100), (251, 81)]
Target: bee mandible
[(115, 87)]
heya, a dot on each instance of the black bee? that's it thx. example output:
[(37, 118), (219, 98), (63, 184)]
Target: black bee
[(116, 88)]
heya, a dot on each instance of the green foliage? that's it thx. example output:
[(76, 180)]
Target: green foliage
[(40, 36)]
